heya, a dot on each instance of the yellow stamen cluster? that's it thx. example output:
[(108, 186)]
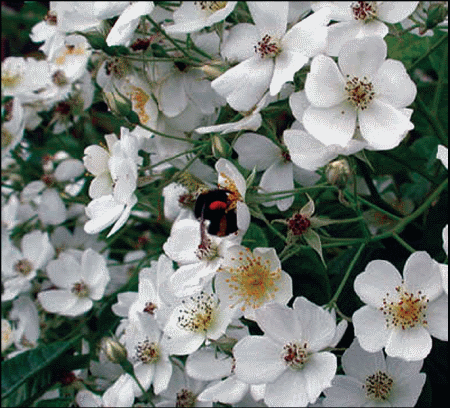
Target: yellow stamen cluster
[(80, 289), (186, 398), (364, 10), (24, 267), (139, 99), (252, 281), (360, 92), (233, 193), (295, 355), (406, 310), (147, 352), (210, 7), (71, 50), (378, 386), (198, 314)]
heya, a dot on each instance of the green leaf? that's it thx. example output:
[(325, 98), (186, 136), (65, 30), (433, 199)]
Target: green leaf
[(55, 402), (29, 374), (255, 237)]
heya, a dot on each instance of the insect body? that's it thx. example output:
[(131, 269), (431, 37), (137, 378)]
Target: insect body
[(213, 205)]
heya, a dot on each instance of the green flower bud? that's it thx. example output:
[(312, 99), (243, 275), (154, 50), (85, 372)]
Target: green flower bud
[(338, 173), (114, 351)]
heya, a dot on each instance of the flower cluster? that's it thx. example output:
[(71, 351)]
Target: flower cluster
[(200, 198)]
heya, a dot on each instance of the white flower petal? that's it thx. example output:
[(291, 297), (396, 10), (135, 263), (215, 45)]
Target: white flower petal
[(421, 273), (394, 12), (286, 65), (379, 278), (289, 390), (335, 125), (228, 391), (382, 125), (362, 57), (172, 95), (345, 392), (206, 364), (370, 328), (410, 344), (437, 318), (258, 360), (240, 42), (244, 85), (270, 18), (51, 209), (319, 371), (394, 85), (278, 177), (57, 301), (256, 151), (325, 85)]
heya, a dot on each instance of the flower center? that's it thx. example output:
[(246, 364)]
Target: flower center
[(118, 67), (147, 352), (295, 355), (70, 50), (59, 78), (51, 18), (185, 397), (364, 10), (24, 266), (378, 386), (359, 92), (150, 308), (268, 47), (7, 138), (210, 7), (298, 224), (139, 98), (252, 282), (407, 309), (198, 313), (233, 195), (10, 79), (80, 289)]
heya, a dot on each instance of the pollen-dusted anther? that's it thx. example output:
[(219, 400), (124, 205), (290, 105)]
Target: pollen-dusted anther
[(268, 47), (405, 310), (59, 78), (360, 92), (150, 308), (295, 355), (147, 351), (185, 397), (210, 6), (378, 386), (50, 18), (252, 281), (198, 313), (298, 224), (364, 10), (24, 267), (80, 289)]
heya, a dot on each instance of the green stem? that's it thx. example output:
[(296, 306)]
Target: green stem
[(406, 220), (347, 275), (431, 50), (440, 85), (403, 243), (171, 158), (156, 132), (433, 120), (258, 214), (163, 32)]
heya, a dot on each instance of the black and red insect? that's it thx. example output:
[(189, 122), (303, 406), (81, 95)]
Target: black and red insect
[(214, 206)]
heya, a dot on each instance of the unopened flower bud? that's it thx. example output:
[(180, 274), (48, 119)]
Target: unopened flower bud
[(338, 172), (212, 71), (220, 147), (114, 351)]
